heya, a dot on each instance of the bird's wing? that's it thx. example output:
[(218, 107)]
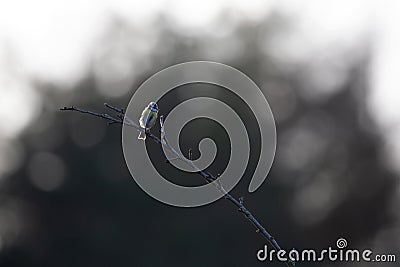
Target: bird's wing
[(143, 119), (151, 119)]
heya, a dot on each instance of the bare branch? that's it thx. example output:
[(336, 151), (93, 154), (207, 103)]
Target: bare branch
[(111, 120), (208, 177), (118, 110)]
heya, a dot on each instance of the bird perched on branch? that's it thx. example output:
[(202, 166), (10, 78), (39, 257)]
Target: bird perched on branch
[(148, 118)]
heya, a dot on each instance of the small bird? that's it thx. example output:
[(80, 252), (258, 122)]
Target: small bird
[(148, 118)]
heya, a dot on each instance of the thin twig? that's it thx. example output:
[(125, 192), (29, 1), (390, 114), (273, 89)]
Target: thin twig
[(100, 115), (208, 177), (118, 110)]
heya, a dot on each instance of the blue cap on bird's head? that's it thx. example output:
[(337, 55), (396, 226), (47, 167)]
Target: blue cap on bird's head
[(153, 106)]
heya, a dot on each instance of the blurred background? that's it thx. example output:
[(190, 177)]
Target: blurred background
[(329, 70)]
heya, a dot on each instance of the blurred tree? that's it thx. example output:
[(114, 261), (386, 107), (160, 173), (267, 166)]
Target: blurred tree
[(73, 203)]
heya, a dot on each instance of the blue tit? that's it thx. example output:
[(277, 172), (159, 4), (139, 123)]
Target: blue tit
[(148, 118)]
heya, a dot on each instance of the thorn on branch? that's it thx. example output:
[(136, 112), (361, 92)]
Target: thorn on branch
[(206, 175), (241, 200), (190, 154)]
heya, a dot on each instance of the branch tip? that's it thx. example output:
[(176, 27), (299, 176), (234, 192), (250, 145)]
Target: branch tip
[(119, 110)]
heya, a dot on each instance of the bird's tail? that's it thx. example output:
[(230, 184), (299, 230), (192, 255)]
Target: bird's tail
[(142, 136)]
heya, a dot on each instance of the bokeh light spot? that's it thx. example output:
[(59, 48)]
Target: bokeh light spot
[(46, 171)]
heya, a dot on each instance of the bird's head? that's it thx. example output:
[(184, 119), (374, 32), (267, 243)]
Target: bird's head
[(153, 106)]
